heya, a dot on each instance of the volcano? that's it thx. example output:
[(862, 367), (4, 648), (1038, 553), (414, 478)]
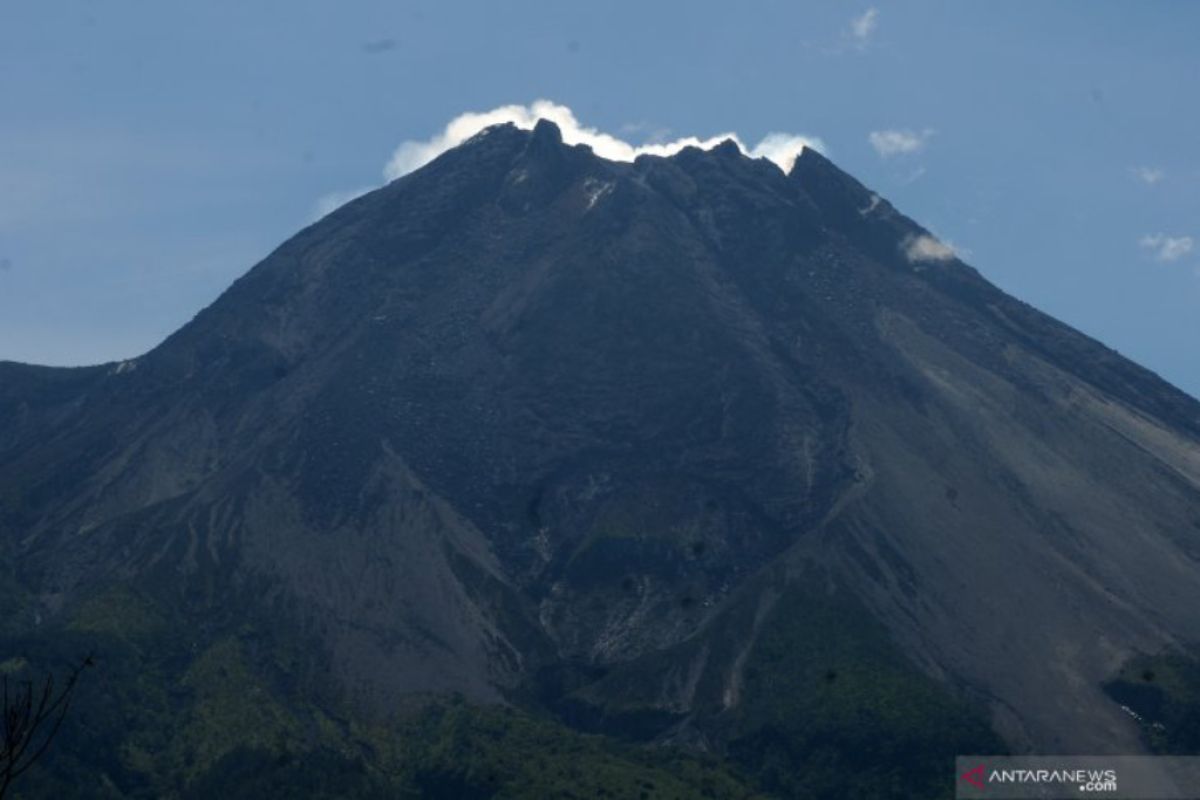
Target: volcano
[(739, 473)]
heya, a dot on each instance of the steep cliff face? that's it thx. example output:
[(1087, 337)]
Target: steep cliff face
[(640, 443)]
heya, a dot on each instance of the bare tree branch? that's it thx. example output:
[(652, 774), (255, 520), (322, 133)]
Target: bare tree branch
[(31, 719)]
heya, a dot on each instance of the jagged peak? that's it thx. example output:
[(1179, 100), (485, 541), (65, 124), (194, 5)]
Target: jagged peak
[(547, 131)]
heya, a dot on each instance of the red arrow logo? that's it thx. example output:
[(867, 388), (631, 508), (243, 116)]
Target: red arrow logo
[(974, 776)]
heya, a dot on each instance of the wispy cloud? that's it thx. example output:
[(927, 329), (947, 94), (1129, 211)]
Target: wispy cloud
[(779, 148), (328, 203), (377, 46), (862, 27), (925, 248), (893, 142), (914, 175), (1148, 175), (1167, 248), (646, 131)]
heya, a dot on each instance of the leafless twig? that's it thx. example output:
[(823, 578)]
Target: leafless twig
[(31, 719)]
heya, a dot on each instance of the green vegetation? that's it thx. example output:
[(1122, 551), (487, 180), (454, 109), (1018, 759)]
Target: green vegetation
[(120, 612), (162, 716), (829, 708), (1164, 692), (455, 750), (832, 709)]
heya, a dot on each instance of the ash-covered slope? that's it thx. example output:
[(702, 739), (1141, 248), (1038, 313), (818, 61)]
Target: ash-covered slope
[(532, 425)]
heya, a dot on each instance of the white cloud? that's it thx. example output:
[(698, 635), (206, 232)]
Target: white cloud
[(898, 142), (927, 248), (1167, 248), (863, 26), (1148, 175), (781, 148)]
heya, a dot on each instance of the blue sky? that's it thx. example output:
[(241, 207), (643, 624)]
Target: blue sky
[(151, 152)]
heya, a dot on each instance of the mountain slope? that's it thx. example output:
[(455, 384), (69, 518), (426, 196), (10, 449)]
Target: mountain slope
[(584, 436)]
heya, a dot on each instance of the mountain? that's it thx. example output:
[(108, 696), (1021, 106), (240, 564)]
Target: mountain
[(715, 473)]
